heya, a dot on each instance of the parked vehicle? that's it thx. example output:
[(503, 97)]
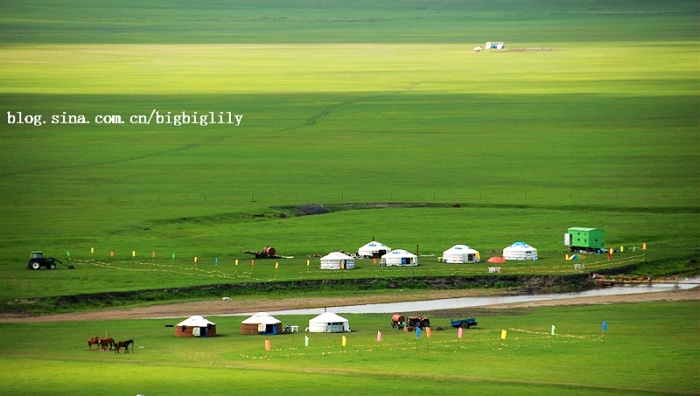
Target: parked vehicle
[(412, 322), (463, 323)]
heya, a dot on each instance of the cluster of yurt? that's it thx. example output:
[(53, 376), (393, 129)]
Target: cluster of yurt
[(457, 254), (387, 256), (337, 260), (261, 323), (195, 326), (265, 324)]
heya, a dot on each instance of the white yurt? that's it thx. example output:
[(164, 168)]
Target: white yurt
[(261, 323), (328, 322), (195, 326), (520, 251), (460, 254), (337, 260), (373, 249), (399, 257)]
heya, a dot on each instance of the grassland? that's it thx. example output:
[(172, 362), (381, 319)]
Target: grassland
[(588, 118), (658, 357)]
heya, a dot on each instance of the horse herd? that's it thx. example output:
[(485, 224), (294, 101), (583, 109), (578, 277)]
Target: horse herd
[(103, 343)]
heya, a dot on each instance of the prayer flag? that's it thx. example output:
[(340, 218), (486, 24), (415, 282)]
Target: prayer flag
[(277, 265), (133, 253), (605, 326), (267, 345), (417, 332), (379, 336), (553, 329), (92, 250), (306, 341), (344, 341), (459, 333), (427, 332), (503, 334)]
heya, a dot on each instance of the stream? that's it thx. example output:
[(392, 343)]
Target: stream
[(463, 302)]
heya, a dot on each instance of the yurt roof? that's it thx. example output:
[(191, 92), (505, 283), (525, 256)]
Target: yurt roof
[(262, 317), (328, 317), (520, 245), (375, 245), (399, 253), (195, 321), (336, 256), (459, 249)]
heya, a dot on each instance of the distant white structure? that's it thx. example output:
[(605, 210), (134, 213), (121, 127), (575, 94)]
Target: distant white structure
[(495, 45), (337, 260), (477, 49), (328, 322), (460, 254), (373, 249), (520, 251), (399, 257)]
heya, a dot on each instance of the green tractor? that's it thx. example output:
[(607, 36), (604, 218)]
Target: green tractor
[(38, 260)]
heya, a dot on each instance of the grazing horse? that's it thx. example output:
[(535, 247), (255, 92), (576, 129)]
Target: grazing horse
[(123, 344), (105, 342), (93, 341)]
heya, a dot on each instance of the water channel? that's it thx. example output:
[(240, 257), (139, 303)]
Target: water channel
[(464, 302)]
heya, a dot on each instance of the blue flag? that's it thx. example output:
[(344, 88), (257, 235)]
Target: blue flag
[(605, 326), (417, 332)]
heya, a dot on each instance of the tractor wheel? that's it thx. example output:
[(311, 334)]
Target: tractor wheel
[(52, 266), (464, 325), (35, 264)]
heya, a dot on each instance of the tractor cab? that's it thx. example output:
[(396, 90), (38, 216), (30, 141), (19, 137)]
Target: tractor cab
[(37, 254)]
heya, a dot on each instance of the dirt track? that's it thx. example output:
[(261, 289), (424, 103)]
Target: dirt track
[(221, 307)]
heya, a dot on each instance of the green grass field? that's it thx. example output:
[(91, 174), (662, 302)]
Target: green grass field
[(589, 117), (648, 348)]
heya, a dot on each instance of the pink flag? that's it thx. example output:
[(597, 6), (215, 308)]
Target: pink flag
[(379, 336), (459, 333)]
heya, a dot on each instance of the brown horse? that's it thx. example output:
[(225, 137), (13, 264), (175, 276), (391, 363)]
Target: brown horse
[(123, 344), (105, 342), (93, 341)]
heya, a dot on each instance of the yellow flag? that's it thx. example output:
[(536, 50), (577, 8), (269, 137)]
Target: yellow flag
[(503, 334), (345, 341)]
